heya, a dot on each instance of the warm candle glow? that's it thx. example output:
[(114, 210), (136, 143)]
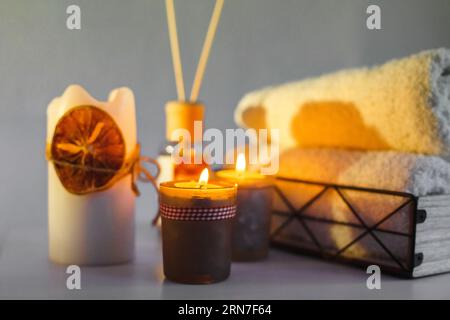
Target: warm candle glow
[(204, 176), (240, 162)]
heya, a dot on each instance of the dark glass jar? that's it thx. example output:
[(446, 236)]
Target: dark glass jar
[(197, 227)]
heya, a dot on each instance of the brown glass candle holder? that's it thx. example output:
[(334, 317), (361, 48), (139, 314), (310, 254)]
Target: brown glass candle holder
[(197, 224), (251, 228)]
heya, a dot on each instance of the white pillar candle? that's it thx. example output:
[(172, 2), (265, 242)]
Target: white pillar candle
[(94, 228)]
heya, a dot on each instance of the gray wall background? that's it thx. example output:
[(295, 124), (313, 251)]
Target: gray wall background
[(259, 42)]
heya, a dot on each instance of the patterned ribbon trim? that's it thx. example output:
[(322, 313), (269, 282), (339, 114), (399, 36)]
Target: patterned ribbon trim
[(197, 214)]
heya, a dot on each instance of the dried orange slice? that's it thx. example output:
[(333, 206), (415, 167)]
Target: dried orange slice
[(87, 149)]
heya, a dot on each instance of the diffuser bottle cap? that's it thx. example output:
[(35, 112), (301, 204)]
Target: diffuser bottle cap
[(182, 115)]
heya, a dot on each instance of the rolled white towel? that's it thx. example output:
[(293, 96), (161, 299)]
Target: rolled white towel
[(420, 175), (402, 105)]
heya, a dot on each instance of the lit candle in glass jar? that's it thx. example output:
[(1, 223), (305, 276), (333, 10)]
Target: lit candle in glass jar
[(254, 204), (196, 229)]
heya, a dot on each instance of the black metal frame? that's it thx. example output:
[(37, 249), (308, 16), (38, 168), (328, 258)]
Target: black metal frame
[(292, 214)]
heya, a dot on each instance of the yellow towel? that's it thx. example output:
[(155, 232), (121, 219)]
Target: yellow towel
[(402, 105)]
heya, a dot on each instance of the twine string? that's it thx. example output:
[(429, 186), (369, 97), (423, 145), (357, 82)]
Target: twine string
[(134, 166), (141, 173)]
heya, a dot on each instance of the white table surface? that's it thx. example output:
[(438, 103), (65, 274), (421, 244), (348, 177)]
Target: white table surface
[(25, 272)]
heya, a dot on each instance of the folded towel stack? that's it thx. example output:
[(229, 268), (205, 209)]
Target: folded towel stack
[(402, 106), (385, 128)]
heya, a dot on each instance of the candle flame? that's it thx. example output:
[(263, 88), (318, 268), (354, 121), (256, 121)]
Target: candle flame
[(240, 162), (204, 176)]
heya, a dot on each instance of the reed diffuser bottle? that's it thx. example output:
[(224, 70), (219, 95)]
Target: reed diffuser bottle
[(189, 117)]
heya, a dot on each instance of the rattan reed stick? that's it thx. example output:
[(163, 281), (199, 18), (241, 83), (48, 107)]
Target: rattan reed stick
[(175, 48), (206, 50)]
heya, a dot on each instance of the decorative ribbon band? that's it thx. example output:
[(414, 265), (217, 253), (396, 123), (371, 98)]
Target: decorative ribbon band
[(133, 166), (197, 214)]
